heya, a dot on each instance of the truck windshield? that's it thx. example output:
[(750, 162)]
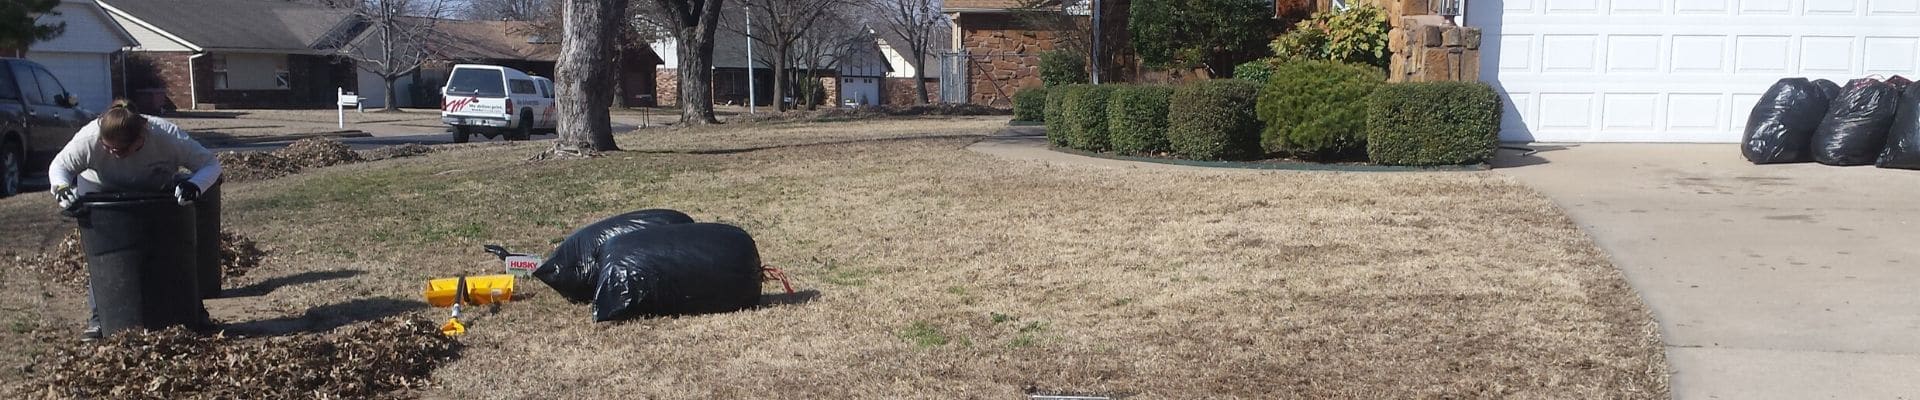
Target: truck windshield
[(476, 82)]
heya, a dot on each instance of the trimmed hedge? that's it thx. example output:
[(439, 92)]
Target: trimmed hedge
[(1137, 119), (1061, 67), (1055, 115), (1087, 117), (1435, 123), (1317, 108), (1214, 120), (1030, 104)]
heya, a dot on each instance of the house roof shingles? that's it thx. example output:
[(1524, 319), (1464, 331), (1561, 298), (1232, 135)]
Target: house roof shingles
[(242, 24)]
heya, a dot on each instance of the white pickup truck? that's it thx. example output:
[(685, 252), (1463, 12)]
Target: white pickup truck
[(492, 101)]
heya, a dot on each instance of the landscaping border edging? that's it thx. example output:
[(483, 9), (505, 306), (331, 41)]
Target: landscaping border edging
[(1280, 166)]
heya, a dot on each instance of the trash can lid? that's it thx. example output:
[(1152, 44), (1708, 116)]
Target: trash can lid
[(123, 198)]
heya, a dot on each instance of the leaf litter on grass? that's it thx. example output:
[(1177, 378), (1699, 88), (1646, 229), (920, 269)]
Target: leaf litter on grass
[(66, 262), (379, 359)]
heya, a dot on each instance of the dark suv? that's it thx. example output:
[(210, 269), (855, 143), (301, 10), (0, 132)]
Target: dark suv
[(37, 118)]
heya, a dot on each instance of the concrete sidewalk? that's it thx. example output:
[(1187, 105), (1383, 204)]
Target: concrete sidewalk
[(1769, 282)]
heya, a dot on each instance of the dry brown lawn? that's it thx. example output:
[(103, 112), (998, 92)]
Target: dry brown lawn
[(931, 271)]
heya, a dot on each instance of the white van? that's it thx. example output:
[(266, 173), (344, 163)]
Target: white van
[(492, 100)]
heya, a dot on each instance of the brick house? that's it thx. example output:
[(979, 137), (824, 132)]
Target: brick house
[(898, 87), (1001, 41), (207, 54)]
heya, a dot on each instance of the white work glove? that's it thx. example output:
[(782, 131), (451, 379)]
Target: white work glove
[(65, 196), (185, 192)]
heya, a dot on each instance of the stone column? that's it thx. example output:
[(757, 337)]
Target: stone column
[(1428, 48)]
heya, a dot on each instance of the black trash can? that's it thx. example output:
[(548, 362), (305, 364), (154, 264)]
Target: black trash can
[(207, 259), (141, 260)]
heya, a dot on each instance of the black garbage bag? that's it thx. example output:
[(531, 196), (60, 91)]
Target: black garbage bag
[(574, 267), (1903, 141), (1781, 125), (1854, 130), (1899, 82), (678, 270), (1828, 88)]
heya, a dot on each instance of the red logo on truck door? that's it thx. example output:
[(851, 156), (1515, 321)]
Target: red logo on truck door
[(455, 105)]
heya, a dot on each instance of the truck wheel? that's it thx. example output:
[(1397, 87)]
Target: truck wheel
[(460, 134), (12, 168), (525, 130)]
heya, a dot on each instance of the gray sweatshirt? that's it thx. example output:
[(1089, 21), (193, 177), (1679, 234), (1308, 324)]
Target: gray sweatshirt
[(151, 169)]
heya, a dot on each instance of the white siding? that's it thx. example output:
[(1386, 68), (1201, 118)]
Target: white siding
[(146, 39), (669, 52), (902, 66), (87, 31)]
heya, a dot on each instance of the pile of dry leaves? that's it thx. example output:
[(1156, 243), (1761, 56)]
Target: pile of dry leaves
[(318, 153), (370, 360), (66, 262), (303, 155), (242, 167)]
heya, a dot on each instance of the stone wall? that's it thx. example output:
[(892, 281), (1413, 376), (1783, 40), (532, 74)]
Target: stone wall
[(1428, 48), (901, 91), (1003, 57), (666, 87)]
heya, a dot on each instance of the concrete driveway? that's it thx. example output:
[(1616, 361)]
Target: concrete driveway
[(1769, 282)]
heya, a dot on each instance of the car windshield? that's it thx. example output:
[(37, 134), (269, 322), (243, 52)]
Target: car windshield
[(476, 82)]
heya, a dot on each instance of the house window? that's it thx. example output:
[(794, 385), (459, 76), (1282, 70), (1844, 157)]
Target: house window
[(218, 63), (280, 75)]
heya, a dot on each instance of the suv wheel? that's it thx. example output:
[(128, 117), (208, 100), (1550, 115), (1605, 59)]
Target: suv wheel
[(12, 168), (460, 134)]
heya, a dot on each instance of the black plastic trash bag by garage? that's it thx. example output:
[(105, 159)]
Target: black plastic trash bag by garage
[(574, 267), (1828, 88), (678, 269), (1899, 82), (1781, 125), (1854, 131), (1903, 141)]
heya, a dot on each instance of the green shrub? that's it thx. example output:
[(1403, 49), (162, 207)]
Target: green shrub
[(1060, 67), (1356, 35), (1137, 119), (1317, 108), (1256, 71), (1030, 104), (1055, 116), (1214, 120), (1087, 117), (1437, 123)]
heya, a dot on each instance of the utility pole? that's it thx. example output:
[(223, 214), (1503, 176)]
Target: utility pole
[(751, 94)]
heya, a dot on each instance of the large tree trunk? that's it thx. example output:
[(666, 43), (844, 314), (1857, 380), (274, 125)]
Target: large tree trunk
[(696, 73), (779, 79), (393, 101), (584, 78), (920, 78)]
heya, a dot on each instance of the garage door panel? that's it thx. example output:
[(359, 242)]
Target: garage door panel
[(1637, 7), (1566, 112), (1573, 6), (1701, 6), (1630, 111), (1893, 7), (1700, 54), (1891, 55), (1830, 7), (1826, 55), (1766, 7), (1761, 54), (1696, 112), (1520, 51), (1633, 53), (1568, 53)]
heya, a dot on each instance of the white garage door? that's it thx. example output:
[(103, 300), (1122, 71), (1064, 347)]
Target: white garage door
[(1675, 70), (86, 75)]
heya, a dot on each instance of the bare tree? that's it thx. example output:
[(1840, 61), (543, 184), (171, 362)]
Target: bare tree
[(692, 23), (507, 10), (913, 21), (396, 42), (779, 25), (828, 45), (584, 77)]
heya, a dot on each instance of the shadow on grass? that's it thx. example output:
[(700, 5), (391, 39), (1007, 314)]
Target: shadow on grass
[(327, 317), (787, 299), (269, 285)]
